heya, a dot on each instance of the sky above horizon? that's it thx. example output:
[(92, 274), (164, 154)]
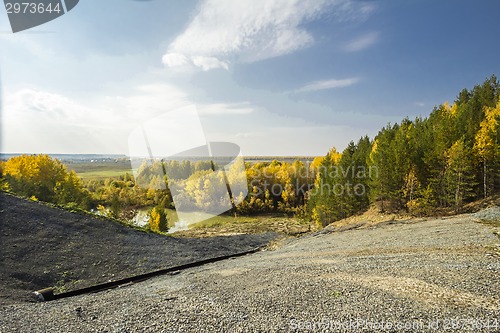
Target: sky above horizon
[(284, 77)]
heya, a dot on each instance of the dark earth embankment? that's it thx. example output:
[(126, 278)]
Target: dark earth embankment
[(42, 246)]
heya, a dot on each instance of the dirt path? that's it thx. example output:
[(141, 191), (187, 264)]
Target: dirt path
[(439, 275)]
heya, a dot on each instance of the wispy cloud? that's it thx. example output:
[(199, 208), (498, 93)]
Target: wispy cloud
[(226, 31), (362, 42), (224, 108), (354, 11), (327, 84)]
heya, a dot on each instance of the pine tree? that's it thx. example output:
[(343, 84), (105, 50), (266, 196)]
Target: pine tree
[(385, 186), (459, 180)]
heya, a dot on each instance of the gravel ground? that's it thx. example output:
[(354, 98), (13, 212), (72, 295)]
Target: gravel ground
[(41, 246), (488, 214), (440, 275)]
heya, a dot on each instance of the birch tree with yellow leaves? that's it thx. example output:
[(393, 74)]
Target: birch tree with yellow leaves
[(487, 147)]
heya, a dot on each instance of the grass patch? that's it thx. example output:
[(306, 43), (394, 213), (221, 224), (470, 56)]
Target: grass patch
[(102, 174), (100, 170), (227, 225), (492, 223), (221, 220)]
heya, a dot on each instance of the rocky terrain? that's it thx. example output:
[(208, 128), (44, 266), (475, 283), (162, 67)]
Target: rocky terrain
[(42, 246), (426, 275)]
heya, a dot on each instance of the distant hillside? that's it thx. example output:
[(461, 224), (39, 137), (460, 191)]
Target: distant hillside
[(72, 157)]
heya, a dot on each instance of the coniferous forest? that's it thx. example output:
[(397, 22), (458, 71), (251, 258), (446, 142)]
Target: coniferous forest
[(447, 159)]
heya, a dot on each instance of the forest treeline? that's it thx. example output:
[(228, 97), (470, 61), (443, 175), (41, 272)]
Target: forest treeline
[(444, 160)]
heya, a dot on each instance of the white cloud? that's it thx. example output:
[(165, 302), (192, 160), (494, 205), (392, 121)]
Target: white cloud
[(41, 104), (40, 121), (174, 59), (362, 42), (224, 31), (224, 108), (208, 63), (354, 11), (327, 84)]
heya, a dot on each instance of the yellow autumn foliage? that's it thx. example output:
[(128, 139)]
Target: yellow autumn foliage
[(158, 219), (485, 143)]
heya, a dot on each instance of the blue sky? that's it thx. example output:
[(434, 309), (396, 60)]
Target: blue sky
[(276, 77)]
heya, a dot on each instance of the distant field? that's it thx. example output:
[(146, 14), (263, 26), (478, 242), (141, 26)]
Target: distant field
[(101, 170), (107, 167), (102, 174)]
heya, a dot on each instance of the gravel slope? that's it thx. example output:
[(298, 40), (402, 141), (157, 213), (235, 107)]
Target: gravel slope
[(41, 246), (440, 275)]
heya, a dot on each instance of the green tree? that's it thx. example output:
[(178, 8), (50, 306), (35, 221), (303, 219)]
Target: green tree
[(72, 191), (459, 180), (386, 186), (321, 203)]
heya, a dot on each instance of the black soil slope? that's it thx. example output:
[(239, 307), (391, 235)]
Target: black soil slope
[(41, 246)]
